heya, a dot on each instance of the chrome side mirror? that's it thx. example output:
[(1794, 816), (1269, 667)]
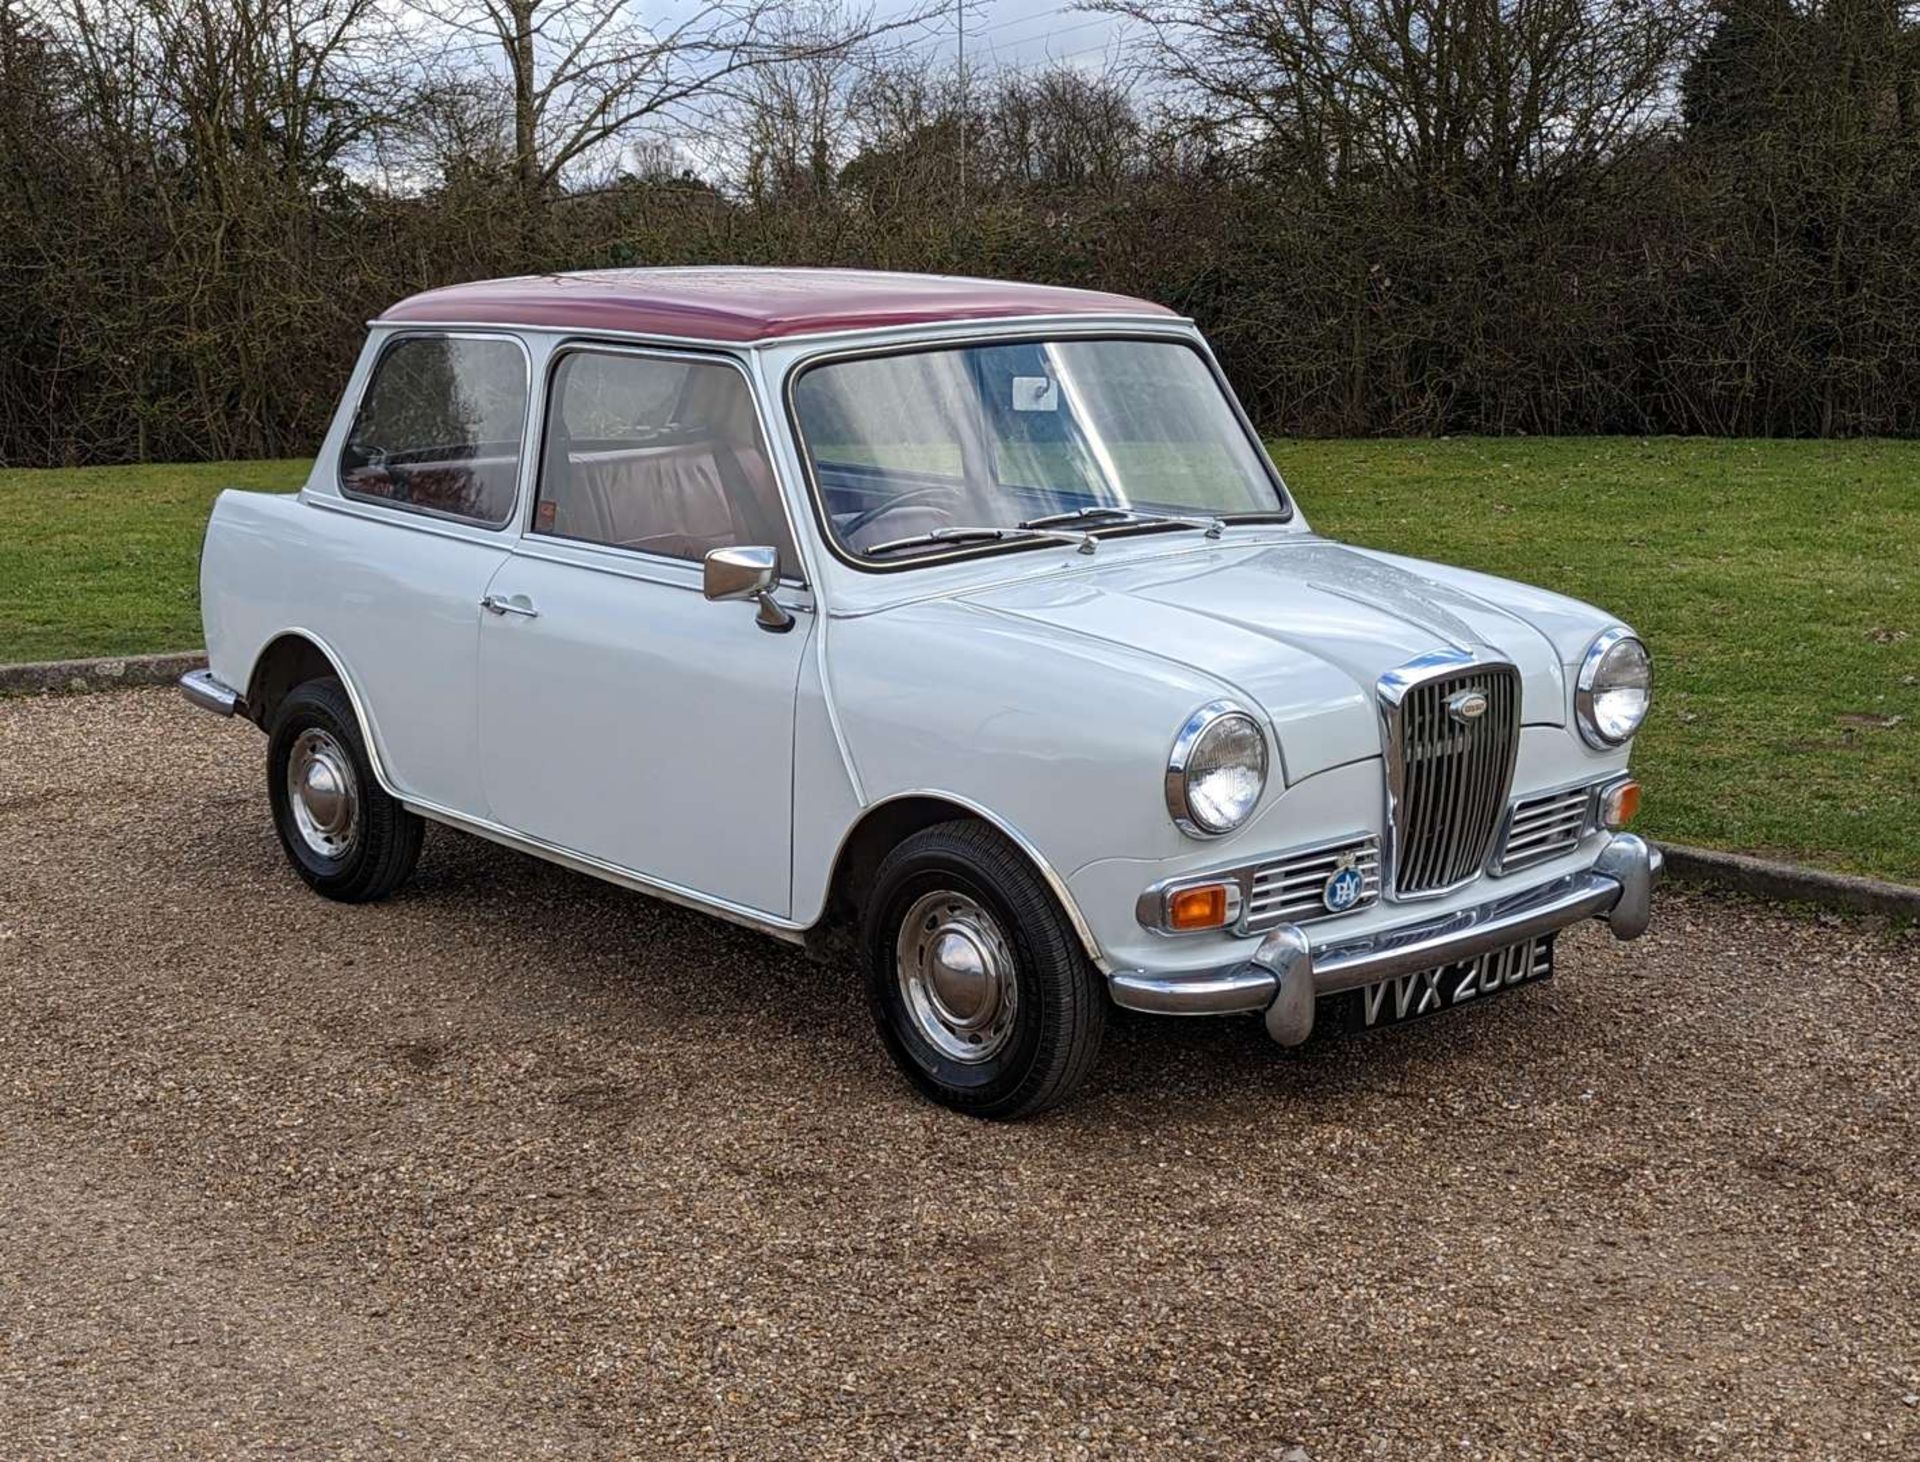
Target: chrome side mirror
[(747, 573)]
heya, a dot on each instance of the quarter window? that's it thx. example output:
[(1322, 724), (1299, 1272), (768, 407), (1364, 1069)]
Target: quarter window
[(439, 428), (659, 455)]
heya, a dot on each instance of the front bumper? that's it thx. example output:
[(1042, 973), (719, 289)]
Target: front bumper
[(1290, 970)]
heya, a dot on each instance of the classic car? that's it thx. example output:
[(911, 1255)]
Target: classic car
[(963, 624)]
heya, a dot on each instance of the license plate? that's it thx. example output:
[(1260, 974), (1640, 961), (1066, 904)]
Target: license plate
[(1428, 992)]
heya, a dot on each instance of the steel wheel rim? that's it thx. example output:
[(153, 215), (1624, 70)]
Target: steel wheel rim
[(323, 794), (957, 977)]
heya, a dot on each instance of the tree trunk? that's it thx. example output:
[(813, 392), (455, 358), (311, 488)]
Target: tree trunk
[(526, 144)]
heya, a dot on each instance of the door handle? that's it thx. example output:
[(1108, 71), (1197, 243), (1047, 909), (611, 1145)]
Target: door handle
[(519, 605)]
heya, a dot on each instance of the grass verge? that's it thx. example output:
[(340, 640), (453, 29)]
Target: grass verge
[(1778, 583), (106, 560)]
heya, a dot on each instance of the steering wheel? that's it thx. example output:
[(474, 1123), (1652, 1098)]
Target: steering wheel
[(902, 500)]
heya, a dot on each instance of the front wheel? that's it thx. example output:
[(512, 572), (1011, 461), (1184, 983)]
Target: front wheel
[(977, 984), (343, 834)]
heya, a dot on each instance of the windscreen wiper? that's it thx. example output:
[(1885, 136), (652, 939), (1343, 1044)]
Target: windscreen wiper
[(1083, 541), (1116, 517)]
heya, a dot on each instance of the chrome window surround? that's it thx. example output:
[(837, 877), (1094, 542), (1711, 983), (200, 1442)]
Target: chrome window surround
[(431, 332), (1244, 917), (1557, 803), (1583, 687), (1392, 691), (1196, 726), (792, 575), (1150, 328)]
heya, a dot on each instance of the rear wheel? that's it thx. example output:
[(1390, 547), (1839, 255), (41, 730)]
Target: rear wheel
[(343, 834), (977, 984)]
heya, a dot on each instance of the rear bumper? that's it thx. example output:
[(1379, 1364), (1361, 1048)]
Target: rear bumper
[(1290, 969), (202, 690)]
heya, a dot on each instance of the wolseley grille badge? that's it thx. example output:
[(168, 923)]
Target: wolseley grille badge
[(1467, 705), (1343, 889)]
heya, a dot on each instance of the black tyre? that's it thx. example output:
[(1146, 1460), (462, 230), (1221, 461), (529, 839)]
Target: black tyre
[(343, 834), (977, 983)]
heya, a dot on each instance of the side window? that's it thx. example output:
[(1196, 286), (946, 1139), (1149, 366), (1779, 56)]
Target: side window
[(658, 455), (439, 428)]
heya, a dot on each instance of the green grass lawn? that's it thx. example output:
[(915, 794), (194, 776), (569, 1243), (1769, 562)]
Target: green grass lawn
[(1778, 583), (106, 560)]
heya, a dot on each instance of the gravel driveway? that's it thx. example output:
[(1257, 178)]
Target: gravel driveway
[(520, 1164)]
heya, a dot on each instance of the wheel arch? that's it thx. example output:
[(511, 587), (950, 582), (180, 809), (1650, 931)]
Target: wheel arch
[(291, 659), (883, 825)]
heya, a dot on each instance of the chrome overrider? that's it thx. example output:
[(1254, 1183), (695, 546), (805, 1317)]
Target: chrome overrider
[(1291, 969)]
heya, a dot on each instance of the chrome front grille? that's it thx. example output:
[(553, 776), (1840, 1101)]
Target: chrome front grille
[(1544, 827), (1449, 776), (1292, 889)]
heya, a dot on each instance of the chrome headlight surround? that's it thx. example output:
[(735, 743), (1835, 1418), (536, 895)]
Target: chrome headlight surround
[(1197, 754), (1613, 652)]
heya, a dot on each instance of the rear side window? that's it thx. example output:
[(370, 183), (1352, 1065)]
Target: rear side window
[(659, 455), (439, 428)]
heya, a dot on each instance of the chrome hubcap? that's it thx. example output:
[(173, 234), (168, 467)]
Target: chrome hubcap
[(956, 976), (323, 794)]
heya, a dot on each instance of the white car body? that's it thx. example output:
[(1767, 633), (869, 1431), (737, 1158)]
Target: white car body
[(638, 731)]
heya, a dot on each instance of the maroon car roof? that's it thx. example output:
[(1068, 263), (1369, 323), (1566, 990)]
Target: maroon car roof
[(746, 304)]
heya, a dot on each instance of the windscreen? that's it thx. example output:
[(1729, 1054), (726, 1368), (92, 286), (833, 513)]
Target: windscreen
[(933, 444)]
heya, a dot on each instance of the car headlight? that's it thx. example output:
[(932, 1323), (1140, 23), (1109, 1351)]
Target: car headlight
[(1217, 771), (1614, 689)]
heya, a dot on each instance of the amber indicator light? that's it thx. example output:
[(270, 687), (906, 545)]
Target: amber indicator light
[(1621, 805), (1198, 908)]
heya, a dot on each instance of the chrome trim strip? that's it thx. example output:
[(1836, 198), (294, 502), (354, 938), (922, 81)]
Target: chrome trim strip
[(671, 893), (667, 573), (203, 690), (458, 529)]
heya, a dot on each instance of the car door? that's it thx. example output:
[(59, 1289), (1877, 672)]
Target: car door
[(428, 476), (623, 715)]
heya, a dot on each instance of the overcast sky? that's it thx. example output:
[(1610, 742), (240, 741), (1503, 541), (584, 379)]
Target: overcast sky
[(1023, 33)]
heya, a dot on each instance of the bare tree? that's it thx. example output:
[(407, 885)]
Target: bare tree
[(1063, 128), (1426, 90), (796, 118), (584, 74), (297, 84)]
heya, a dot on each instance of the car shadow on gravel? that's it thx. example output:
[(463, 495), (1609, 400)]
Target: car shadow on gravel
[(649, 963)]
